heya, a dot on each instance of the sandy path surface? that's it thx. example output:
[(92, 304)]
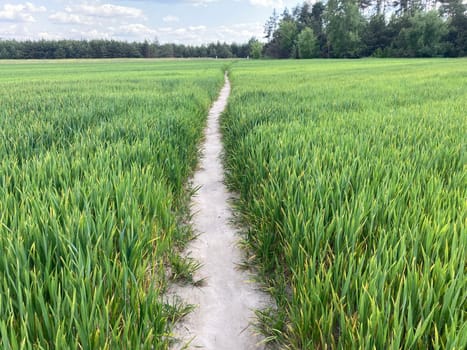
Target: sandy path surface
[(226, 301)]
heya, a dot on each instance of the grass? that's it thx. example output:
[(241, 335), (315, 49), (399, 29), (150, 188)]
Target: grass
[(94, 158), (352, 177)]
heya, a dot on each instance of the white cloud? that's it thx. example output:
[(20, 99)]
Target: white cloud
[(197, 28), (13, 31), (240, 32), (137, 30), (165, 29), (49, 36), (20, 12), (170, 19), (267, 3), (100, 19), (103, 18), (105, 11), (69, 18), (91, 34), (198, 3), (201, 34), (186, 35)]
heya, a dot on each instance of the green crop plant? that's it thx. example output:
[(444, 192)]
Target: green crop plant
[(94, 158), (352, 177)]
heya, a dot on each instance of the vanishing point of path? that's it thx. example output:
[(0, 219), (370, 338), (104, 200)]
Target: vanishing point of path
[(225, 302)]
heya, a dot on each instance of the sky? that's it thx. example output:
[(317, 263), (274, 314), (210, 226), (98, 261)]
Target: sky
[(191, 22)]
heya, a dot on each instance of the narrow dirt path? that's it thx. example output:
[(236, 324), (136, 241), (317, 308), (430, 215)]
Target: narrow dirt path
[(226, 301)]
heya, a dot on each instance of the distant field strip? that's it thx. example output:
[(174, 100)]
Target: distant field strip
[(94, 156), (353, 178)]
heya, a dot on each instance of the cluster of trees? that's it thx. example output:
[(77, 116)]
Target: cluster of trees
[(12, 49), (357, 28), (334, 28)]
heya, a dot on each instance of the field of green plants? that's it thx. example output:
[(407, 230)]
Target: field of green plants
[(93, 160), (353, 178)]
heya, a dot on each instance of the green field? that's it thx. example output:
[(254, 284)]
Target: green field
[(353, 178), (351, 174), (94, 157)]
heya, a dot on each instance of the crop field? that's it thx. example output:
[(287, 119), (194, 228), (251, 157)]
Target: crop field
[(352, 176), (352, 181), (94, 157)]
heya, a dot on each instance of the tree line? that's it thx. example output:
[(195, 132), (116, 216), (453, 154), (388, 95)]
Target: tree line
[(359, 28), (52, 49), (330, 29)]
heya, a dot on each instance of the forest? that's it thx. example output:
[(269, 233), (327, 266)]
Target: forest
[(361, 28), (329, 29), (103, 48)]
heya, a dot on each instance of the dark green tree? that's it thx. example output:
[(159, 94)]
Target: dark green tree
[(344, 28), (422, 37), (286, 38), (376, 37), (454, 11), (255, 48), (307, 43), (317, 24)]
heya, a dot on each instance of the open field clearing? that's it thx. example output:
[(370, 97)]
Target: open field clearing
[(93, 161), (352, 176)]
